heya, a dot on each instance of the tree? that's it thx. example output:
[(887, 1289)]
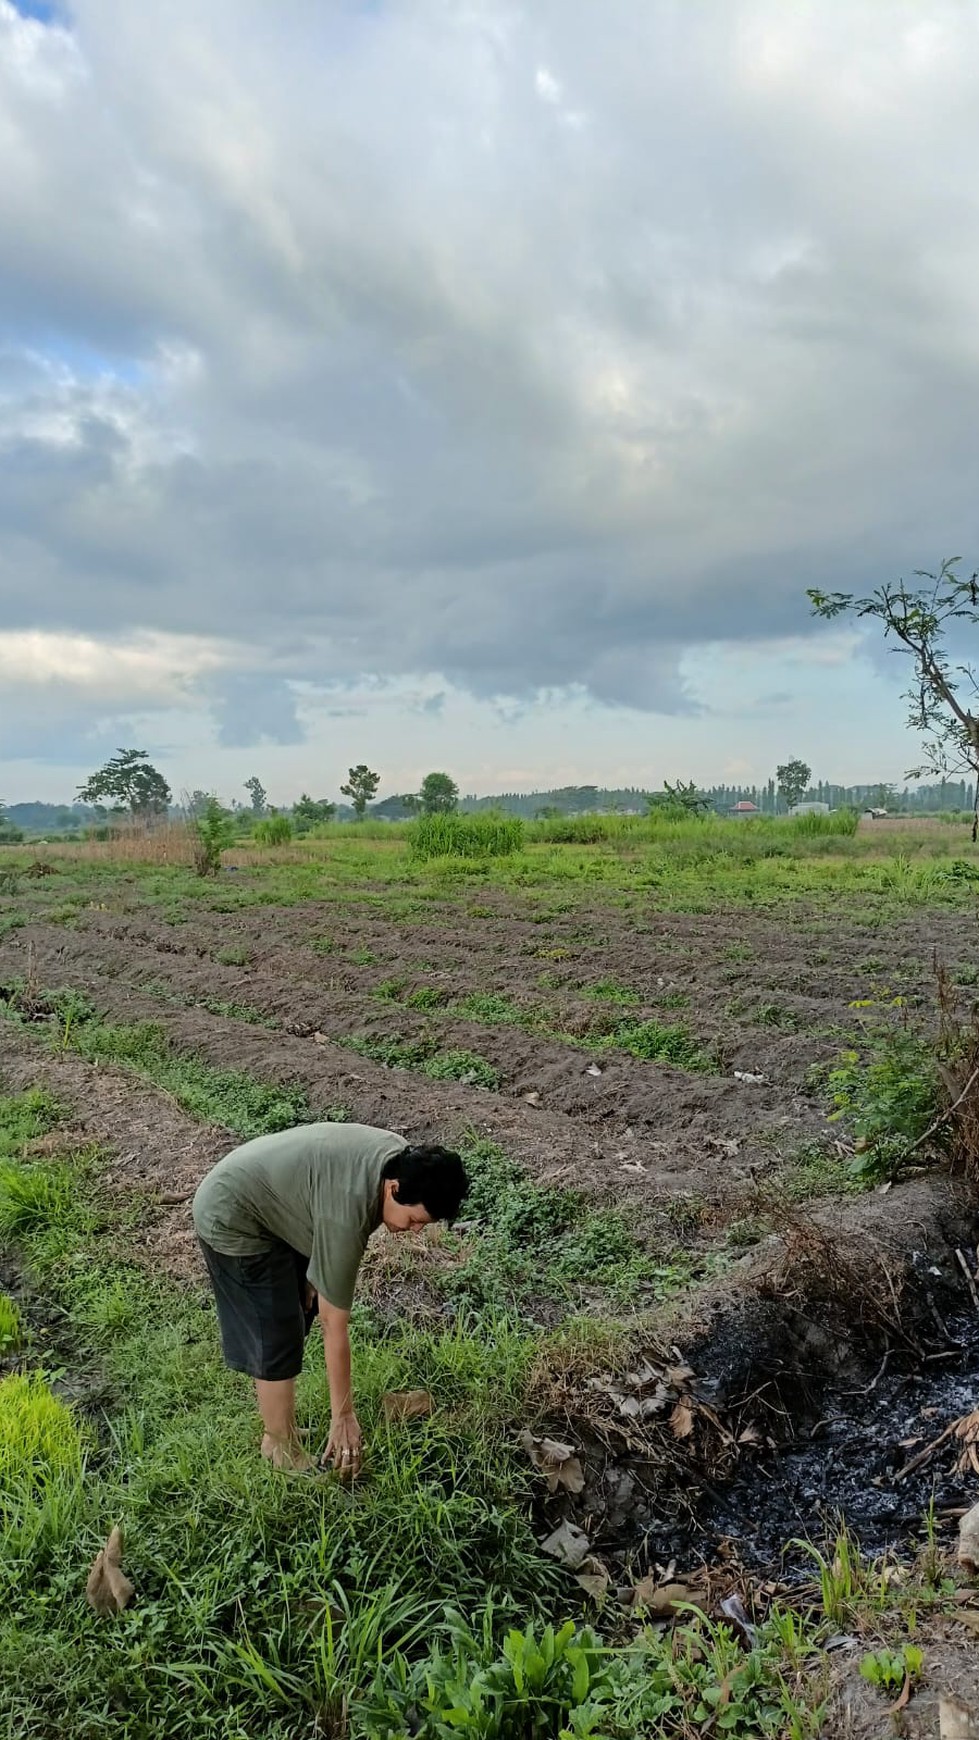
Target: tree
[(361, 786), (793, 781), (132, 782), (943, 695), (197, 803), (308, 812), (678, 800), (439, 793), (258, 795)]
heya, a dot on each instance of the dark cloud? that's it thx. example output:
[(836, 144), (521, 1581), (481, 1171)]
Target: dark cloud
[(252, 708), (528, 347)]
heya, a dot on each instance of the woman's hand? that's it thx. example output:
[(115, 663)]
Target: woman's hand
[(344, 1446)]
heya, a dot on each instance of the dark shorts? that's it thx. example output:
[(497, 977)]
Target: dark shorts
[(262, 1314)]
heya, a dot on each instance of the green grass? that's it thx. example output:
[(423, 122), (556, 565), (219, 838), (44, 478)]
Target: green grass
[(11, 1325), (422, 1055)]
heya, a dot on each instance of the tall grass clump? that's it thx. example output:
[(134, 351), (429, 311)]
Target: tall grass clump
[(839, 823), (273, 831), (487, 834)]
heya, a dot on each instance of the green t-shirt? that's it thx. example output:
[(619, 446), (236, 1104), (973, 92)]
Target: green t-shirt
[(317, 1187)]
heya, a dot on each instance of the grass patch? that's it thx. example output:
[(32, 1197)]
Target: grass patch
[(423, 1056), (608, 991), (535, 1241)]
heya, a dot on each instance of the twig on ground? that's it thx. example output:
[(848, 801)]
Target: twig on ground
[(969, 1278)]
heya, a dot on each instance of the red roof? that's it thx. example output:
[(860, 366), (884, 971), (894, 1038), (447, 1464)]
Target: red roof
[(745, 805)]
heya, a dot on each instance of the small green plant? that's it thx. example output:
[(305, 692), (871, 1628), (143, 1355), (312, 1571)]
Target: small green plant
[(887, 1669), (233, 955), (464, 1066), (273, 831)]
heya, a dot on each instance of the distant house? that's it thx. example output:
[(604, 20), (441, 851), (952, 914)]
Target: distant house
[(744, 808), (809, 810)]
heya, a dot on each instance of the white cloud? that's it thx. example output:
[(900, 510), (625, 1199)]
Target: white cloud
[(337, 335)]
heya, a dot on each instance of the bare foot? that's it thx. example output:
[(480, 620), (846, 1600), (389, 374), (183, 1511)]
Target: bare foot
[(287, 1455)]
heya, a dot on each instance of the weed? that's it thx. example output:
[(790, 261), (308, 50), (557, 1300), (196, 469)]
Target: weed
[(465, 1066), (363, 957), (323, 945), (655, 1042), (234, 955), (608, 991), (390, 990), (426, 997), (889, 1094)]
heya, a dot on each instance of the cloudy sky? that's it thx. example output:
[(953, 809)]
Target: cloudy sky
[(476, 383)]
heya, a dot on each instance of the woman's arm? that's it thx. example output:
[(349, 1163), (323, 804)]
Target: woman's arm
[(344, 1444)]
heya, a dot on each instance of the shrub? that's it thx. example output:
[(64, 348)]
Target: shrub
[(273, 831), (487, 834), (888, 1093), (211, 833)]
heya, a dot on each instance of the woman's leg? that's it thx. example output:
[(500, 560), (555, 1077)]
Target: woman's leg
[(281, 1443)]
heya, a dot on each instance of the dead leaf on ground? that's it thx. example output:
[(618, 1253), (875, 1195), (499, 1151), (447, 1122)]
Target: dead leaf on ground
[(968, 1548), (681, 1420), (568, 1544), (592, 1069), (108, 1589), (662, 1600), (900, 1702), (593, 1578), (532, 1099), (967, 1432), (400, 1405), (557, 1462), (956, 1721)]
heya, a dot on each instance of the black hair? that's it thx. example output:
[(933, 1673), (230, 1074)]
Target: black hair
[(431, 1175)]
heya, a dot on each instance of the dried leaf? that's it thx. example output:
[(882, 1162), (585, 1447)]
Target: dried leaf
[(594, 1579), (900, 1703), (108, 1589), (751, 1435), (733, 1609), (682, 1420), (592, 1069), (956, 1721), (968, 1548), (568, 1544), (557, 1462), (969, 1617), (400, 1405), (678, 1375), (662, 1600), (532, 1099)]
